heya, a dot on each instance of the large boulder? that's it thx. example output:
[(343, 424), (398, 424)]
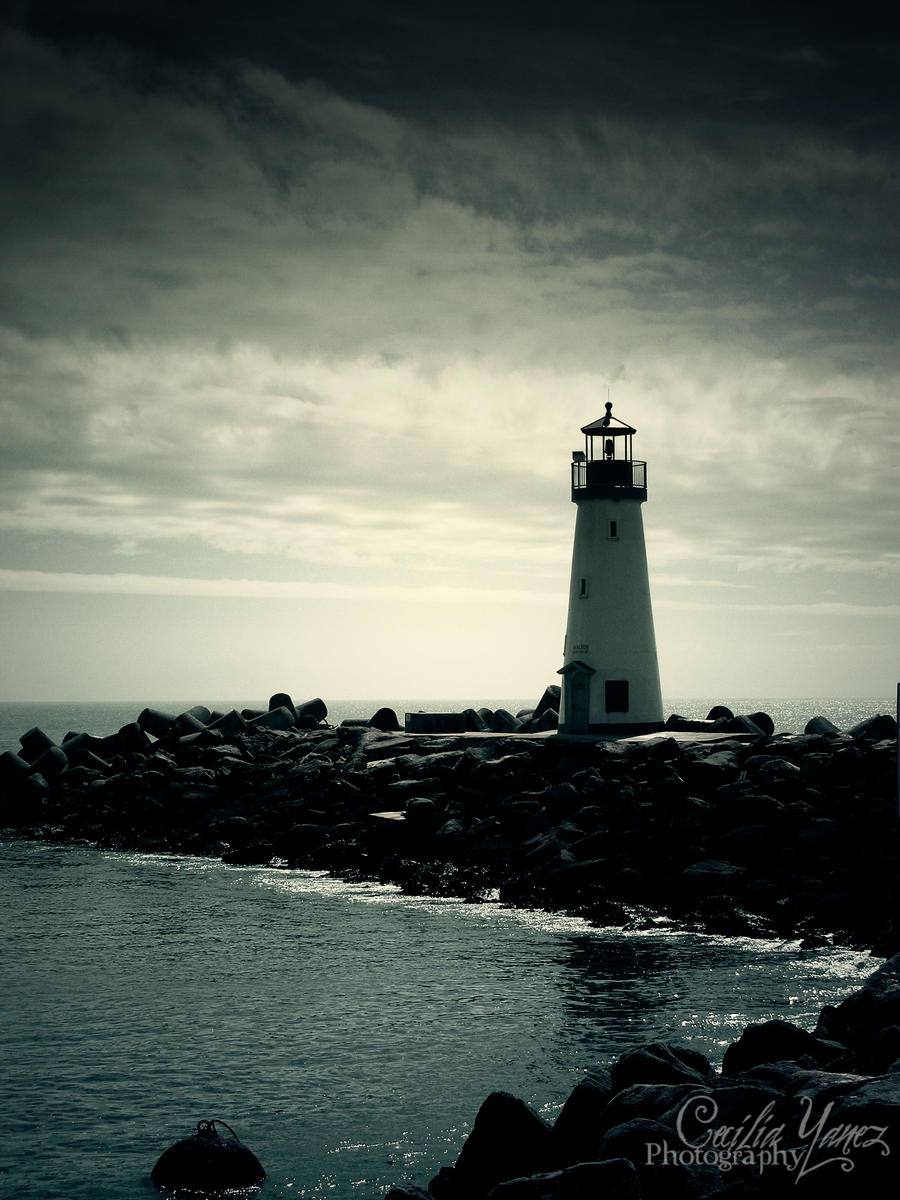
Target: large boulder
[(612, 1179), (577, 1130), (508, 1141), (778, 1041), (645, 1142), (421, 816), (660, 1062), (859, 1018)]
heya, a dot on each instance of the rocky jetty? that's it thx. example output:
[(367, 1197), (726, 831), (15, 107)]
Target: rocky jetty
[(791, 1113), (721, 825)]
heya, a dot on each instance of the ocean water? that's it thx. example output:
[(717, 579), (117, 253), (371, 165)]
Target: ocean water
[(101, 718), (348, 1033)]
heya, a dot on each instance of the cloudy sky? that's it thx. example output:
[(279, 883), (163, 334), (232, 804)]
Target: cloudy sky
[(303, 307)]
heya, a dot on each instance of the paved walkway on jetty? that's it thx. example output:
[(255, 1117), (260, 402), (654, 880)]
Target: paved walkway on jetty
[(576, 738)]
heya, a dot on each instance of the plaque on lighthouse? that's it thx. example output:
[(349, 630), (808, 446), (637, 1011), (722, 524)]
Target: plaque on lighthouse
[(610, 676)]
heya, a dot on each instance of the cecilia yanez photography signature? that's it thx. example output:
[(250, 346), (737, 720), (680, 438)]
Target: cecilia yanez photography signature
[(762, 1141)]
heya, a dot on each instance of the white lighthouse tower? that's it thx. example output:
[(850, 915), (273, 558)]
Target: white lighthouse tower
[(610, 676)]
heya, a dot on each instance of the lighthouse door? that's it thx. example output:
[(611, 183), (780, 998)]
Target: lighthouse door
[(577, 687)]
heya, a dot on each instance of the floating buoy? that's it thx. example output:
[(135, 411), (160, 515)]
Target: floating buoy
[(207, 1164)]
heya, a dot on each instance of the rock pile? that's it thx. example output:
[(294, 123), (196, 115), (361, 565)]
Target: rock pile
[(791, 1113), (540, 719), (747, 833)]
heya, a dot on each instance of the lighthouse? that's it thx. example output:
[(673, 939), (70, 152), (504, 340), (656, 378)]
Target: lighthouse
[(610, 676)]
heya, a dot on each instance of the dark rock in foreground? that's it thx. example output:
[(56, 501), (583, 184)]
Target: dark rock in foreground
[(773, 1124)]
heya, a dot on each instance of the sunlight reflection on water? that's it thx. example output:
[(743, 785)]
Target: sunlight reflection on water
[(349, 1032)]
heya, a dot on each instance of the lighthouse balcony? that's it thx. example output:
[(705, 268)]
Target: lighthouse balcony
[(609, 479)]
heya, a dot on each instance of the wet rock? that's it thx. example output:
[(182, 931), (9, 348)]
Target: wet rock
[(719, 712), (710, 874), (421, 816), (613, 1179), (302, 838), (453, 833), (507, 1141), (858, 1019), (235, 830), (256, 854), (660, 1062), (576, 1133), (652, 1100), (777, 1041)]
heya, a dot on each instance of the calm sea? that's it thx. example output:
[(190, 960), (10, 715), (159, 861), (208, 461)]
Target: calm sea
[(347, 1032), (101, 718)]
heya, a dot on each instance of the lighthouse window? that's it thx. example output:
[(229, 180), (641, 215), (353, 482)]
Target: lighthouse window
[(583, 590), (617, 695), (614, 529)]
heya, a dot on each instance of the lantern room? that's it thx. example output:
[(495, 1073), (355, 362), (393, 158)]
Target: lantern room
[(606, 468)]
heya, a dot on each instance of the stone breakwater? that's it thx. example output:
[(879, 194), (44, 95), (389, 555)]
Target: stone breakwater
[(750, 833), (791, 1113)]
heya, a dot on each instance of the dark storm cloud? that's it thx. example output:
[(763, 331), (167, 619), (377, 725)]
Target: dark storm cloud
[(818, 64)]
